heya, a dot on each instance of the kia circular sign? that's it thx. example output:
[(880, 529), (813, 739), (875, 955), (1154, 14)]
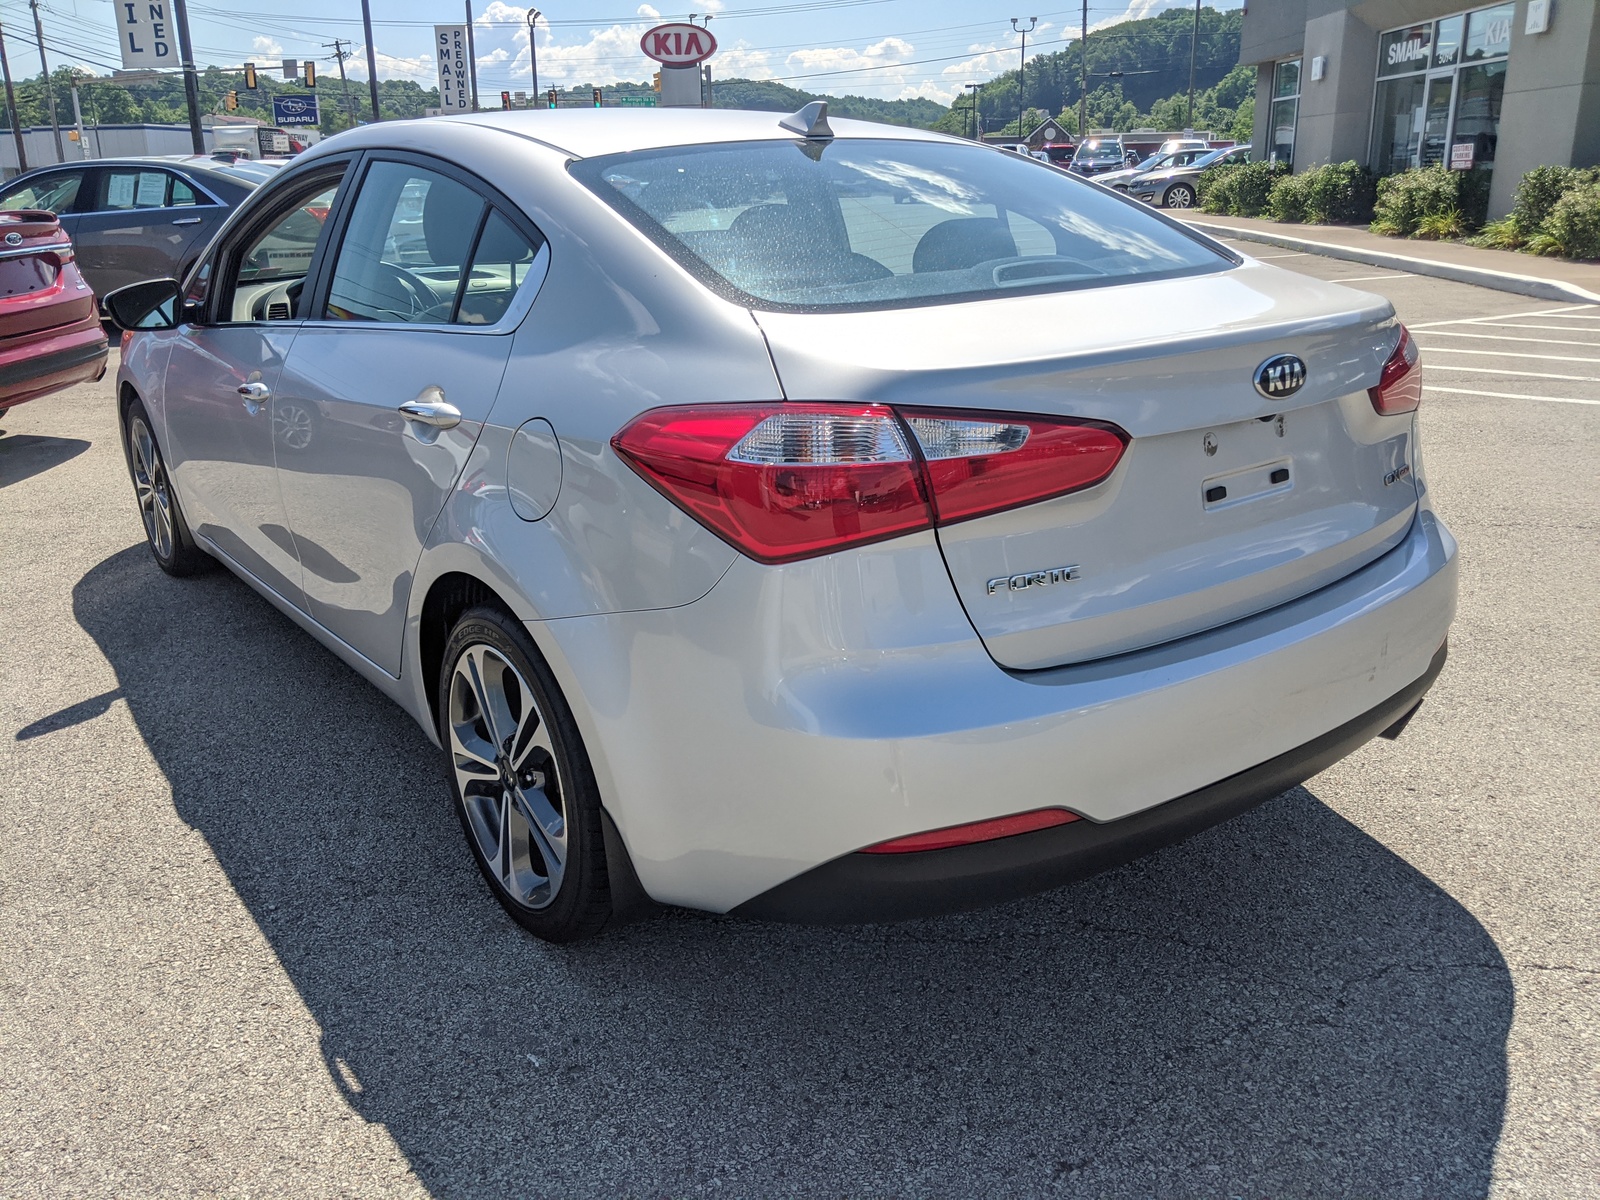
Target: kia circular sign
[(678, 45)]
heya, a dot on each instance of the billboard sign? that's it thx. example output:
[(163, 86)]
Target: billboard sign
[(147, 33), (678, 45), (455, 69), (295, 110)]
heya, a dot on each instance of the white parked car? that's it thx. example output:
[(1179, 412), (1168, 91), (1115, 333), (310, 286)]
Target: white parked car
[(813, 523)]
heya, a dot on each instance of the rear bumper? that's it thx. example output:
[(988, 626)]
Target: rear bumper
[(42, 365), (796, 714), (859, 888)]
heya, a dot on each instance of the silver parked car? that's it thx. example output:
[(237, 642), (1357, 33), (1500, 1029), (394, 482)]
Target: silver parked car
[(809, 522), (1177, 185)]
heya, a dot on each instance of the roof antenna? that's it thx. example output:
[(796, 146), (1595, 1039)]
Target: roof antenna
[(811, 121)]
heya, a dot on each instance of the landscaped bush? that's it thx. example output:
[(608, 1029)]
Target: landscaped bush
[(1333, 194), (1454, 199), (1572, 229), (1241, 190)]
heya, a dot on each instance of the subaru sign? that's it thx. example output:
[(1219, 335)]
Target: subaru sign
[(295, 110)]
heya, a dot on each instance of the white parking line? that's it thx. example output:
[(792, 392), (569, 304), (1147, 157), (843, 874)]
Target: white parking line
[(1512, 354), (1543, 312), (1556, 328), (1570, 315), (1500, 337), (1366, 278), (1518, 374), (1295, 254), (1509, 395)]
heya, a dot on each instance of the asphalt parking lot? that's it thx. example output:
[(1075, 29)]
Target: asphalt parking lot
[(244, 951)]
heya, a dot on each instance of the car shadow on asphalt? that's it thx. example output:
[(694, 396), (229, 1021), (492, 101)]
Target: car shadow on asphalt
[(1279, 1007), (24, 455)]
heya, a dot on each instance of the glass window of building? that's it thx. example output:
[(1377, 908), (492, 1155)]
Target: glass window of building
[(1439, 90), (1285, 111)]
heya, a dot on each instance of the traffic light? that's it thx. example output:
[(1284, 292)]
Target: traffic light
[(551, 98), (250, 76), (597, 97), (656, 82), (311, 74), (505, 101), (230, 101)]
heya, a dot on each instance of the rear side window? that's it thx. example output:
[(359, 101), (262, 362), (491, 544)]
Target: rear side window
[(406, 248), (54, 193), (864, 223)]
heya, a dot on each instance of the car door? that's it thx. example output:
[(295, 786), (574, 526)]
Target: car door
[(390, 385), (138, 223), (222, 374)]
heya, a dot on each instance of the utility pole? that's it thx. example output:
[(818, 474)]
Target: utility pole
[(340, 54), (49, 92), (1022, 69), (77, 121), (1083, 72), (372, 59), (972, 112), (1194, 41), (191, 85), (11, 106)]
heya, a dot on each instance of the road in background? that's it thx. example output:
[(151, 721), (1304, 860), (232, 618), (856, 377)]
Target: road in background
[(243, 948)]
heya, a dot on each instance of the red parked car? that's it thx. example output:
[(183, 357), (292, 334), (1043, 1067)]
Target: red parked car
[(50, 334)]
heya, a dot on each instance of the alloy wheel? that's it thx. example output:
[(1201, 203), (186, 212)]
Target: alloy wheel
[(1180, 197), (510, 784), (152, 489)]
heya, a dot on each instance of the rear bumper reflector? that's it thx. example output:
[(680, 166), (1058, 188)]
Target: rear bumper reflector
[(977, 831)]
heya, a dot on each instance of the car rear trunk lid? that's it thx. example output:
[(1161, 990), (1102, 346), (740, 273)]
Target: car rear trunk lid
[(1226, 503)]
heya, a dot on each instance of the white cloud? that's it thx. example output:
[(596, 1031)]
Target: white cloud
[(421, 68), (266, 47)]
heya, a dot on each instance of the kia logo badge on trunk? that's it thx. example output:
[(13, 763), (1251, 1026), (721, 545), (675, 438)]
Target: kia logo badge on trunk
[(1281, 377)]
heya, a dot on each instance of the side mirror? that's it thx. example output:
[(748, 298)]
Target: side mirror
[(153, 304)]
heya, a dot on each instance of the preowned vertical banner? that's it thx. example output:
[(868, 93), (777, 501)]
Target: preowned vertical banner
[(455, 69)]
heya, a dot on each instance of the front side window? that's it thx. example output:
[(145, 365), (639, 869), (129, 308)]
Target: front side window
[(269, 271), (54, 192), (124, 190), (407, 247), (879, 223)]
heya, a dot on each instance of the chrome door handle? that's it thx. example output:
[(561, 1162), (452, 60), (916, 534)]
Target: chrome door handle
[(431, 408), (187, 221), (255, 392)]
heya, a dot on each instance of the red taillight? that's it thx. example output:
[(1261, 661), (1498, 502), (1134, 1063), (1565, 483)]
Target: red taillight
[(1399, 388), (978, 831), (981, 463), (788, 481)]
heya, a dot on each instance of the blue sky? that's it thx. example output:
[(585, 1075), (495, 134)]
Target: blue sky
[(886, 48)]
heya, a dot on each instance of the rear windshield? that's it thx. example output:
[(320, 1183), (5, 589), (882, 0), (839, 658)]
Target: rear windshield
[(1100, 152), (866, 223)]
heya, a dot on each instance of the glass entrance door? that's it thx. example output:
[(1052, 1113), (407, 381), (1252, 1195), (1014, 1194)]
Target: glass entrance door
[(1436, 108)]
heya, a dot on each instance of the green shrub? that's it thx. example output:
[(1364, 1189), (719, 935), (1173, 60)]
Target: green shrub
[(1406, 199), (1538, 193), (1572, 229), (1501, 235), (1340, 194), (1213, 188), (1289, 198), (1252, 188), (1437, 226)]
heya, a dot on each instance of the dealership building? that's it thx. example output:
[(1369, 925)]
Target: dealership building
[(1394, 84)]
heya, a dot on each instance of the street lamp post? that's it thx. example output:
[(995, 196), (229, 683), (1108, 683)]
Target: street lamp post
[(1194, 41), (533, 50), (972, 111), (1022, 67), (372, 60)]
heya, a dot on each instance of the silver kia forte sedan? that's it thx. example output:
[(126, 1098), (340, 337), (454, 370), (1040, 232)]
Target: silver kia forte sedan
[(812, 522)]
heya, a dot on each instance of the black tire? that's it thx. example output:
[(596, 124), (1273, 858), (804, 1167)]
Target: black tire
[(580, 906), (171, 544), (1179, 195)]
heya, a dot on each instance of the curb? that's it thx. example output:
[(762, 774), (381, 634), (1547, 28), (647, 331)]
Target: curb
[(1501, 281)]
